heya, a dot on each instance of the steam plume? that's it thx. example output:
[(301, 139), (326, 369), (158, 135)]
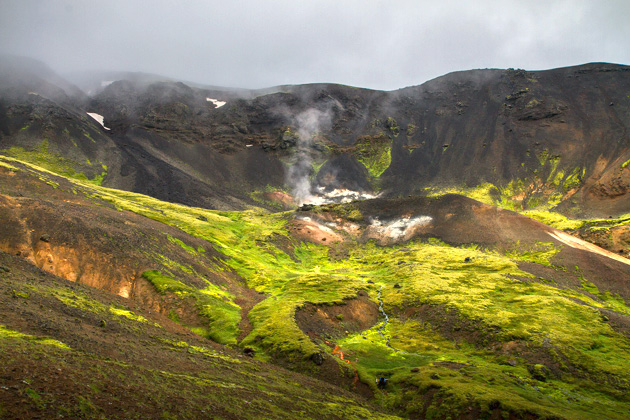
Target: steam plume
[(308, 124)]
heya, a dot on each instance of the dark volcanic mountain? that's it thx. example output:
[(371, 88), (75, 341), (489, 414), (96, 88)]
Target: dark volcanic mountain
[(562, 131)]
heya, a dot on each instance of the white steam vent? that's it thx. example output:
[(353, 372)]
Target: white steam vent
[(308, 124), (399, 228), (217, 103), (99, 119), (338, 195)]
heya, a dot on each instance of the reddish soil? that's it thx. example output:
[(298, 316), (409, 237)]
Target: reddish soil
[(322, 322), (313, 231)]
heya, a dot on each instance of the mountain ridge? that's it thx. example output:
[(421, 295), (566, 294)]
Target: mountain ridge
[(429, 252)]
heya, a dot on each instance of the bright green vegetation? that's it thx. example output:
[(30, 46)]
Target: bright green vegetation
[(212, 303), (541, 253), (494, 333), (535, 196), (552, 218), (610, 301), (317, 166), (486, 291), (84, 303), (8, 166), (375, 153), (392, 126), (625, 164), (50, 161), (8, 334), (501, 197), (142, 372), (192, 251), (126, 313)]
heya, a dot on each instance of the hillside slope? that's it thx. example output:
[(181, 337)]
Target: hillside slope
[(463, 307)]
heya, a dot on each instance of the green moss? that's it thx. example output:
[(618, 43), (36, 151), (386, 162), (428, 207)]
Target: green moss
[(503, 197), (50, 161), (625, 164), (541, 253), (8, 334), (348, 211), (483, 290), (610, 301), (201, 349), (317, 166), (212, 303), (88, 136), (392, 126), (554, 219), (164, 284), (192, 251), (375, 153), (19, 294), (8, 166), (126, 313), (574, 179), (532, 103)]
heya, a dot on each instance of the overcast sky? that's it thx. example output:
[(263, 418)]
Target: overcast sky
[(376, 44)]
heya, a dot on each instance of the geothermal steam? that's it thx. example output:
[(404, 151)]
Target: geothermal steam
[(308, 124)]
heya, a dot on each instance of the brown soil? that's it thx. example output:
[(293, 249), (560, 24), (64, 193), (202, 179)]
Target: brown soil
[(119, 368), (330, 321), (574, 242), (313, 231), (86, 241), (325, 323)]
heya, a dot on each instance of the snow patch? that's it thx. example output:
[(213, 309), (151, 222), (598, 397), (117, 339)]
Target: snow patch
[(400, 228), (217, 103), (105, 83), (99, 119)]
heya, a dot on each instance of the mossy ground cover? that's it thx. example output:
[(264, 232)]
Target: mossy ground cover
[(536, 195), (486, 288), (44, 158), (504, 198), (375, 153), (212, 303), (147, 372)]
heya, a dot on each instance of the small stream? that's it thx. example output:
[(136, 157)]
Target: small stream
[(382, 310)]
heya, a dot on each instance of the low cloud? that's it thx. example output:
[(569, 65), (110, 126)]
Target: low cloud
[(374, 44)]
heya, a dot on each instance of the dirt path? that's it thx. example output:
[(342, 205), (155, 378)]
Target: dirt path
[(574, 242)]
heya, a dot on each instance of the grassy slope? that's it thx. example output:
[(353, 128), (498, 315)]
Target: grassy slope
[(589, 359), (507, 198), (109, 361)]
